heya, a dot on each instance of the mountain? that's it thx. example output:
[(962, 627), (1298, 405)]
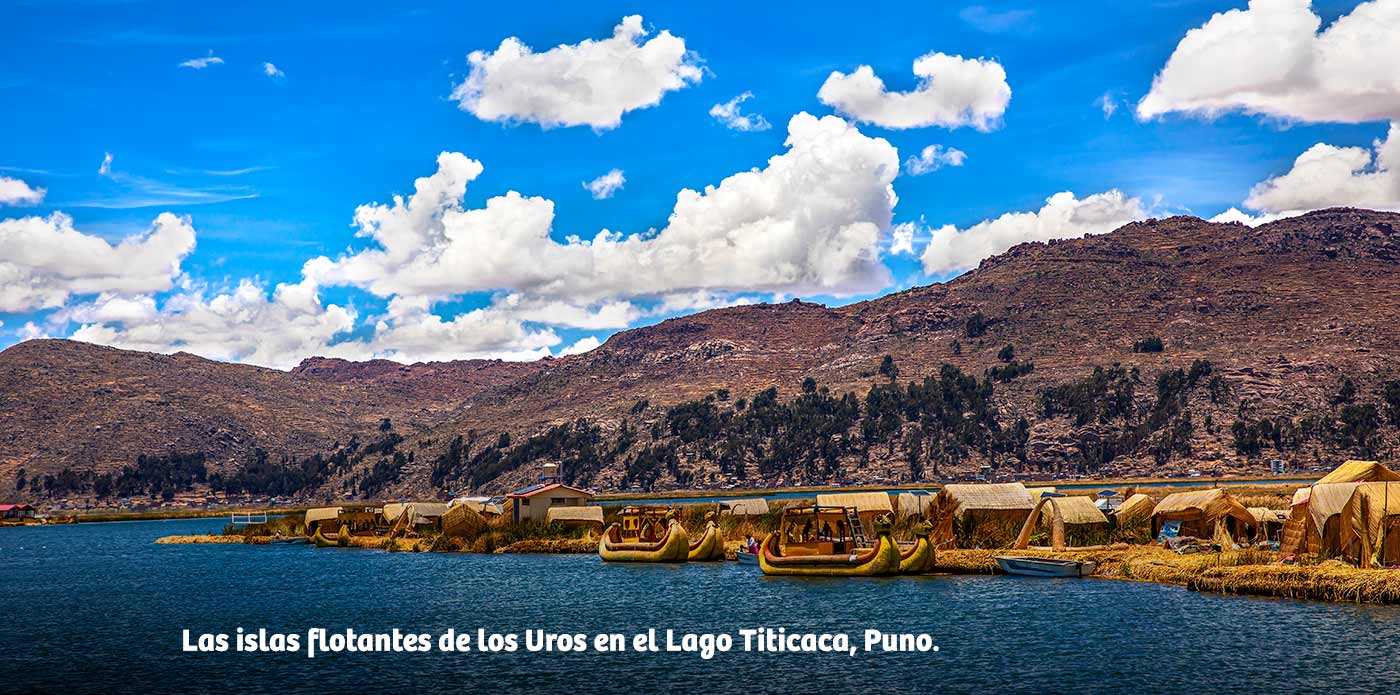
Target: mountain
[(1164, 346)]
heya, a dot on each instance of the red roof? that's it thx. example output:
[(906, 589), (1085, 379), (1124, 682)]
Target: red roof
[(537, 489), (9, 507)]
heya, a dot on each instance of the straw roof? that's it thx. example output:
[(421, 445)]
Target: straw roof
[(862, 501), (322, 514), (1210, 503), (587, 513), (963, 498), (911, 503), (480, 505), (1266, 515), (1075, 510), (1359, 472), (425, 510), (1134, 508), (748, 506), (1326, 501), (1037, 492), (1300, 496)]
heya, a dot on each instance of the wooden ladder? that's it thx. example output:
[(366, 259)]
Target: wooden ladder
[(857, 529)]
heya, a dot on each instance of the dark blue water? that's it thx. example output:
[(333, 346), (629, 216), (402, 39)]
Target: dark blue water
[(98, 608), (1092, 485)]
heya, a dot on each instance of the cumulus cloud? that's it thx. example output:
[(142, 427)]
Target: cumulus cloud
[(1062, 217), (591, 83), (933, 158), (244, 324), (606, 185), (809, 222), (734, 118), (581, 346), (902, 238), (17, 192), (1244, 218), (273, 71), (953, 92), (45, 260), (1326, 176), (201, 63), (1271, 59)]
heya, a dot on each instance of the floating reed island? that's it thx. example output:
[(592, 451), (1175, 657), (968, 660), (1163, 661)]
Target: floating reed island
[(1336, 540)]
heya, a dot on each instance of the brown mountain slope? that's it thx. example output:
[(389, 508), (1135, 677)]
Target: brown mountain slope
[(1283, 313)]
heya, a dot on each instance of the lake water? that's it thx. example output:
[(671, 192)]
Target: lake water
[(99, 608)]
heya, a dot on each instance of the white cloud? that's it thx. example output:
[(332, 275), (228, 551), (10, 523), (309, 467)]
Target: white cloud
[(201, 63), (44, 260), (606, 185), (105, 168), (952, 92), (810, 222), (1270, 59), (1327, 176), (272, 71), (591, 83), (17, 192), (902, 238), (581, 346), (1108, 104), (244, 324), (734, 118), (933, 158), (1062, 217), (1244, 218), (994, 22)]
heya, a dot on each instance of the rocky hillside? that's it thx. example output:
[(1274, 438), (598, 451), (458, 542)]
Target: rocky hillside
[(1164, 346)]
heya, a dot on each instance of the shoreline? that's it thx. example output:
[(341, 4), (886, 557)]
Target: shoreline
[(1233, 573)]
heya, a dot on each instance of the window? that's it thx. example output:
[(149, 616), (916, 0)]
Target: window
[(524, 501), (557, 501)]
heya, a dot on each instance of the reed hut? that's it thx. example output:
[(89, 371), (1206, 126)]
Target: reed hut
[(1204, 514), (980, 515), (1270, 523), (868, 505), (325, 518), (1137, 509), (1307, 529), (416, 515), (1370, 525), (590, 516), (463, 521), (1071, 521), (1359, 472), (748, 506), (1037, 492), (914, 505)]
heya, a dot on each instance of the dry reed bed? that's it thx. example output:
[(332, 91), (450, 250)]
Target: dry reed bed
[(200, 539), (555, 547)]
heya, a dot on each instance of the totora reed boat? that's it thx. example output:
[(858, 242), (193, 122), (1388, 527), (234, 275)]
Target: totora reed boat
[(821, 542), (710, 546), (631, 539)]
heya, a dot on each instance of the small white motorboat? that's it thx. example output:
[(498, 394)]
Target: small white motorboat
[(746, 558), (1044, 566)]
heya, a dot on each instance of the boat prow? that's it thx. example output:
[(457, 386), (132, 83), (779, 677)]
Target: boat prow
[(709, 547), (1044, 566), (919, 558)]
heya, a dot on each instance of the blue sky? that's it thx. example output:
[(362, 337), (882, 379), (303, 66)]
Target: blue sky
[(270, 167)]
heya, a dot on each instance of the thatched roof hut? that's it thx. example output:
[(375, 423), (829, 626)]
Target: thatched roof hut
[(868, 505), (916, 504), (1136, 509), (981, 515), (1370, 524), (745, 506), (328, 517), (576, 515), (1037, 492), (1359, 472), (1204, 514)]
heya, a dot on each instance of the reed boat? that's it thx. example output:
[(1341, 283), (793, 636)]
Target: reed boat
[(710, 546), (617, 545), (323, 541), (821, 542), (1044, 566), (919, 558)]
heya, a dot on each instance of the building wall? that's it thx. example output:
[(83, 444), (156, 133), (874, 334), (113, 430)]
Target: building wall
[(538, 506)]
